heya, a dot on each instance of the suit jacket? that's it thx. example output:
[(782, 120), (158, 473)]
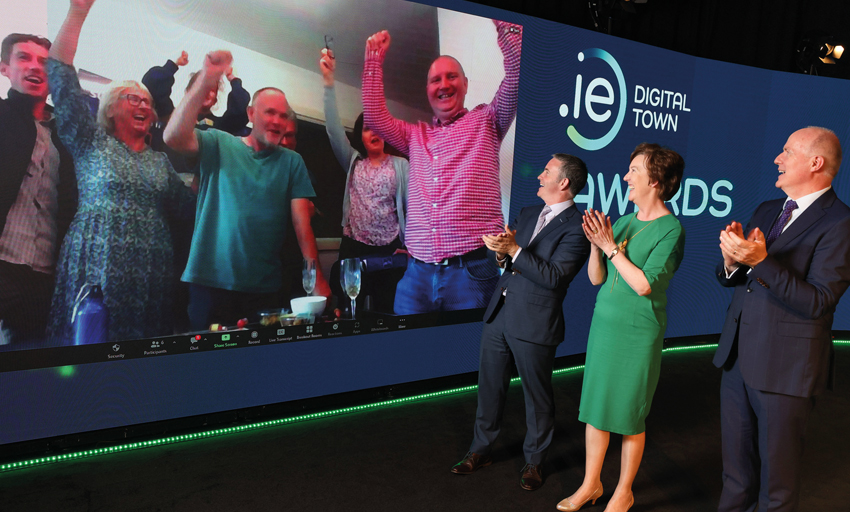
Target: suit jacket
[(782, 310), (17, 141), (537, 281)]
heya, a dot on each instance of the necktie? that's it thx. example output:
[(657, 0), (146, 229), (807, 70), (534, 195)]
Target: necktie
[(541, 221), (776, 230)]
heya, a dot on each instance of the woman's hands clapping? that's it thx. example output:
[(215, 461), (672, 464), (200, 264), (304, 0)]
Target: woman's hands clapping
[(598, 230)]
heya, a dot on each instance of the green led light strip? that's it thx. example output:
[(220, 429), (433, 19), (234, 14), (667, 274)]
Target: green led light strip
[(286, 421)]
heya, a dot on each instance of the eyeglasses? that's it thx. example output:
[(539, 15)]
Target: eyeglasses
[(135, 100)]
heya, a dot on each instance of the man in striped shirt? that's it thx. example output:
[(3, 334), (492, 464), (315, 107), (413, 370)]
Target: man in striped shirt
[(454, 197), (38, 191)]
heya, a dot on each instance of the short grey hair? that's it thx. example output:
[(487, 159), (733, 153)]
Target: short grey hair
[(111, 97)]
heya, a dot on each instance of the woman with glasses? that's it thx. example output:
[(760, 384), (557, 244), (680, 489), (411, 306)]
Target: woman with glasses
[(119, 238)]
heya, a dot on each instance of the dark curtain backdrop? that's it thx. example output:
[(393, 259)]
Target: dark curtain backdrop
[(761, 33)]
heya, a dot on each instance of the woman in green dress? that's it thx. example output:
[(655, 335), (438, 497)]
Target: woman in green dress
[(634, 260)]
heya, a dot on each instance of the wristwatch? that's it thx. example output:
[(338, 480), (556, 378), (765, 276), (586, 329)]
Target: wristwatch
[(615, 252)]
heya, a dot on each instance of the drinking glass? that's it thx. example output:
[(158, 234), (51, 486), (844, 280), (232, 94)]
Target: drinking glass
[(308, 275), (350, 272)]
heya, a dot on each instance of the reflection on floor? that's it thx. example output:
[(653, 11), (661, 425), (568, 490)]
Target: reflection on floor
[(398, 458)]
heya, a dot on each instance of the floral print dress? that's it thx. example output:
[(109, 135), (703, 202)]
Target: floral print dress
[(120, 237)]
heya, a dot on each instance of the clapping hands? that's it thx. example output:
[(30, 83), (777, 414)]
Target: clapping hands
[(597, 228), (502, 243), (736, 249)]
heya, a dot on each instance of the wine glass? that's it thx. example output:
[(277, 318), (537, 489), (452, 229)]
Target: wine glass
[(308, 275), (350, 272)]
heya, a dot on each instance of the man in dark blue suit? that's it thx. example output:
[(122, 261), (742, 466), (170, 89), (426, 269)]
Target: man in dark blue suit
[(524, 322), (776, 345)]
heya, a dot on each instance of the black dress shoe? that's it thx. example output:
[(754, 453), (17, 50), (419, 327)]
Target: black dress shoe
[(470, 463), (531, 478)]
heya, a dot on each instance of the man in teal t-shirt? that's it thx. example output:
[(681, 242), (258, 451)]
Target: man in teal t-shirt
[(248, 188)]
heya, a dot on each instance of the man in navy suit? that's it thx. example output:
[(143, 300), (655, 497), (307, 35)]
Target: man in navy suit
[(524, 322), (776, 345)]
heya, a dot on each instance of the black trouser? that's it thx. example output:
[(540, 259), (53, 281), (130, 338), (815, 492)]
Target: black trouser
[(215, 305), (25, 297)]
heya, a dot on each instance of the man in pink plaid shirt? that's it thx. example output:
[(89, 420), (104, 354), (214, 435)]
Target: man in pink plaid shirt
[(454, 196)]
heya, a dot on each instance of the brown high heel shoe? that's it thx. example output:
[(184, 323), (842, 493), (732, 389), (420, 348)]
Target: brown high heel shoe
[(568, 506)]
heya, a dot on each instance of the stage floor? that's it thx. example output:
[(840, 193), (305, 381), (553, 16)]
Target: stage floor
[(398, 458)]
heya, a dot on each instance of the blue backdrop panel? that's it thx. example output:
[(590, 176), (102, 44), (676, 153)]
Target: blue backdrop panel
[(580, 92)]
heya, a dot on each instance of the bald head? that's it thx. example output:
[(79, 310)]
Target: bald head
[(447, 58), (265, 91), (824, 143), (446, 87)]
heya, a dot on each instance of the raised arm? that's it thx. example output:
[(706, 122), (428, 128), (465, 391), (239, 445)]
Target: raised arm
[(180, 134), (509, 37), (375, 113), (340, 144), (64, 47), (160, 80), (76, 125), (235, 118)]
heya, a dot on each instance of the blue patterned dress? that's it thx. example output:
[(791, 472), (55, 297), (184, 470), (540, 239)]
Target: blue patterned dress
[(120, 236)]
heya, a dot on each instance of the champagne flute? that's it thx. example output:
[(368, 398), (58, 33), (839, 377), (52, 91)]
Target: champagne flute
[(350, 271), (308, 275)]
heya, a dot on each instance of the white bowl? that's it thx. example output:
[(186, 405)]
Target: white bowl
[(308, 305)]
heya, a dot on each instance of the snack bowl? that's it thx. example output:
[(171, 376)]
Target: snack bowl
[(292, 319), (306, 306), (271, 316)]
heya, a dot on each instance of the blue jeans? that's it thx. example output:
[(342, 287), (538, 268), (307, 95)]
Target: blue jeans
[(466, 282)]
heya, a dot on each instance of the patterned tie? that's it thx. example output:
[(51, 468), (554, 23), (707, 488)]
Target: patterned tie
[(776, 230), (541, 221)]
